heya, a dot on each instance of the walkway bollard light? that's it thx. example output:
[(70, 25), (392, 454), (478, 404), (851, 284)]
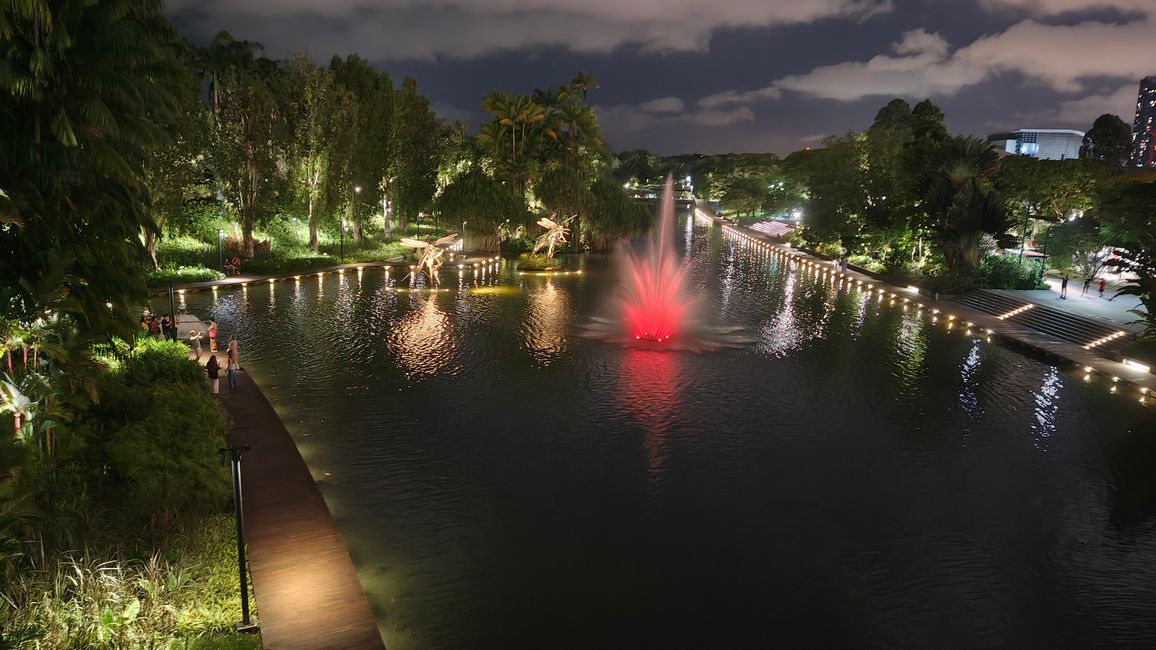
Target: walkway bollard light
[(234, 455)]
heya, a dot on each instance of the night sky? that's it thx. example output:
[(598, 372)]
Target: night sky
[(715, 76)]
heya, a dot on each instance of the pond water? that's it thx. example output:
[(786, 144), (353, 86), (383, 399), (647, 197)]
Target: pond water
[(855, 476)]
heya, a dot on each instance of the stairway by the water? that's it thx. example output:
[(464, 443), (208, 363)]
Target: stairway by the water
[(1094, 336)]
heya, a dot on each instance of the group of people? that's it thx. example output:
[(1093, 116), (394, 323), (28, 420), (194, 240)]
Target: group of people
[(164, 327), (1101, 285), (213, 367)]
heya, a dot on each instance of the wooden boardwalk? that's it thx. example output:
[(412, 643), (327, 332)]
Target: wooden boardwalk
[(307, 591)]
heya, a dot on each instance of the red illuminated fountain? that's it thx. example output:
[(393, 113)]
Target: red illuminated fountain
[(653, 301)]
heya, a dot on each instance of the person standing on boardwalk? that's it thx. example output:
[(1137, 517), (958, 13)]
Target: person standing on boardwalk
[(195, 342), (214, 370), (1101, 287), (212, 336), (1087, 283), (1064, 287), (232, 363)]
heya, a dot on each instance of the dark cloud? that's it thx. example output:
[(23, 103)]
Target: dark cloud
[(734, 75)]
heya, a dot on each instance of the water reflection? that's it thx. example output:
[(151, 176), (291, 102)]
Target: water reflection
[(547, 322), (649, 385), (1047, 406), (781, 334), (422, 341), (911, 350), (968, 398)]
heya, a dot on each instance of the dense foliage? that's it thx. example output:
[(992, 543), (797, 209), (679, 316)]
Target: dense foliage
[(906, 199)]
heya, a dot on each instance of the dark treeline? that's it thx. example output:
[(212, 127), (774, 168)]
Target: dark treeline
[(906, 198)]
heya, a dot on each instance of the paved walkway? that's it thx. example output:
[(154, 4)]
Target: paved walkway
[(1114, 311), (1138, 383), (307, 591)]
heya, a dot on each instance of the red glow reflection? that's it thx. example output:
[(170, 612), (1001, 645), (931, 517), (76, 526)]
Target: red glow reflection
[(649, 386)]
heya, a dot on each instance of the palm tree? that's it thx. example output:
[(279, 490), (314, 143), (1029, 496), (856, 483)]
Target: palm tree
[(583, 82), (960, 201)]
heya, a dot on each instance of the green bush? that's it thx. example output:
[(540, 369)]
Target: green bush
[(517, 245), (181, 275), (1007, 272), (286, 260), (537, 262), (831, 248), (183, 250), (158, 361)]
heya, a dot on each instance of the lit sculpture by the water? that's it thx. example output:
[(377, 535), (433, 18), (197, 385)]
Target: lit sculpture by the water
[(653, 301), (555, 234), (431, 255)]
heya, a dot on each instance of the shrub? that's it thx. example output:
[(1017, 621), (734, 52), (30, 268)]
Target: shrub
[(181, 275), (1007, 272), (159, 361), (287, 261), (517, 245), (163, 456), (831, 248), (537, 262), (183, 250)]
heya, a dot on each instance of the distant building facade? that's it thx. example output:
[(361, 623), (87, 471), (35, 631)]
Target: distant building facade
[(1144, 128), (1045, 144)]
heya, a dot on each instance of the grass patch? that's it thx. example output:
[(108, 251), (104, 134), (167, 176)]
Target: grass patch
[(184, 595), (182, 250), (538, 262), (182, 274)]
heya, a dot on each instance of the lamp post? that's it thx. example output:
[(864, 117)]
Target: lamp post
[(220, 255), (464, 234), (234, 456)]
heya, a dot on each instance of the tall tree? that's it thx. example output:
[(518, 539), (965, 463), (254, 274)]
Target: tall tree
[(370, 160), (1127, 210), (223, 54), (324, 116), (176, 167), (249, 142), (415, 136), (1109, 140)]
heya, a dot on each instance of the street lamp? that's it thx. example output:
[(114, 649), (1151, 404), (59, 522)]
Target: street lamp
[(233, 454), (220, 255)]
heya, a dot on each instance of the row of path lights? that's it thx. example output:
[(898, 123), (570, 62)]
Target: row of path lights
[(847, 281)]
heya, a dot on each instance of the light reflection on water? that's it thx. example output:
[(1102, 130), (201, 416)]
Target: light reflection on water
[(547, 323), (422, 341), (858, 477)]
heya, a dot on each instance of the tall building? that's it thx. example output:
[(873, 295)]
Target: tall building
[(1144, 128), (1045, 144)]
